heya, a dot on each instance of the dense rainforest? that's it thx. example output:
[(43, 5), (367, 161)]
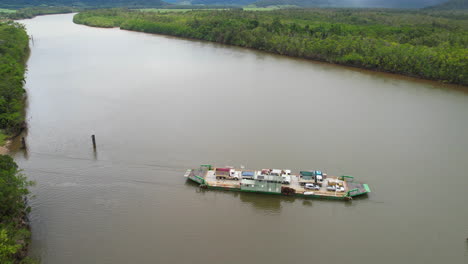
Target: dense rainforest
[(451, 5), (15, 4), (14, 231), (352, 3), (322, 3), (30, 12), (14, 51), (430, 45)]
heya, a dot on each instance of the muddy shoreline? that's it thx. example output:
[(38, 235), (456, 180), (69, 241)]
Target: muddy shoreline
[(5, 149)]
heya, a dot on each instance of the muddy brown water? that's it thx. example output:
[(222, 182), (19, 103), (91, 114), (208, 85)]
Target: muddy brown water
[(159, 105)]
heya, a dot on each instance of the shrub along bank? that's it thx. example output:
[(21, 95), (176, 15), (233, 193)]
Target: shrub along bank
[(14, 51), (14, 232), (422, 44), (30, 12)]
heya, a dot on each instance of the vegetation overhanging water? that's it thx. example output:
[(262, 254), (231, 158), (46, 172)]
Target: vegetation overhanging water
[(431, 44)]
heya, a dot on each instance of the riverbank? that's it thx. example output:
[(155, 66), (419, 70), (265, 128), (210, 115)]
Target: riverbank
[(424, 45), (15, 232), (5, 147), (14, 54), (327, 117), (30, 12)]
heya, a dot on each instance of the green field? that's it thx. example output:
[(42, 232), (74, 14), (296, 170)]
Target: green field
[(260, 8), (7, 10), (164, 10), (268, 8)]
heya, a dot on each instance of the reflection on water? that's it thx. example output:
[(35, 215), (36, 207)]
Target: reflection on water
[(466, 247), (264, 202), (269, 202)]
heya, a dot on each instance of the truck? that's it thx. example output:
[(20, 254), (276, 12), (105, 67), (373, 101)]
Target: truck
[(227, 174), (315, 176)]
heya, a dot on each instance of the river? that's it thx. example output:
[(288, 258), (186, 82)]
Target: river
[(159, 105)]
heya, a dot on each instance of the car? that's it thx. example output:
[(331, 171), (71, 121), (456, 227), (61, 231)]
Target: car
[(331, 188), (248, 175), (286, 179), (319, 178), (317, 187), (310, 186)]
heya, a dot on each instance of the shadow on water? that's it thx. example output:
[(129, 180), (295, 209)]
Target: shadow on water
[(466, 247), (16, 146), (381, 76), (95, 154), (191, 184), (356, 199), (271, 202)]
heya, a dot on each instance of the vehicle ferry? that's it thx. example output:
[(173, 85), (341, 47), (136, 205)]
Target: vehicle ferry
[(312, 183)]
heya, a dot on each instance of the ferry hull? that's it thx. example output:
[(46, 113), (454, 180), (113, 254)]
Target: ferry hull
[(200, 177)]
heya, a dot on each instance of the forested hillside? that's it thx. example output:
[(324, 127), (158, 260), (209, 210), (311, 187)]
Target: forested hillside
[(327, 3), (30, 12), (451, 5), (411, 43), (15, 4), (222, 2), (155, 3)]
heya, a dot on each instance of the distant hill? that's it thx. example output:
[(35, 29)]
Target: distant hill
[(352, 3), (299, 3), (451, 5), (433, 4), (82, 3), (221, 2)]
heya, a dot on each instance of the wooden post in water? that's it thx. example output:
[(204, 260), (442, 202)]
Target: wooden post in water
[(94, 141), (23, 143)]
